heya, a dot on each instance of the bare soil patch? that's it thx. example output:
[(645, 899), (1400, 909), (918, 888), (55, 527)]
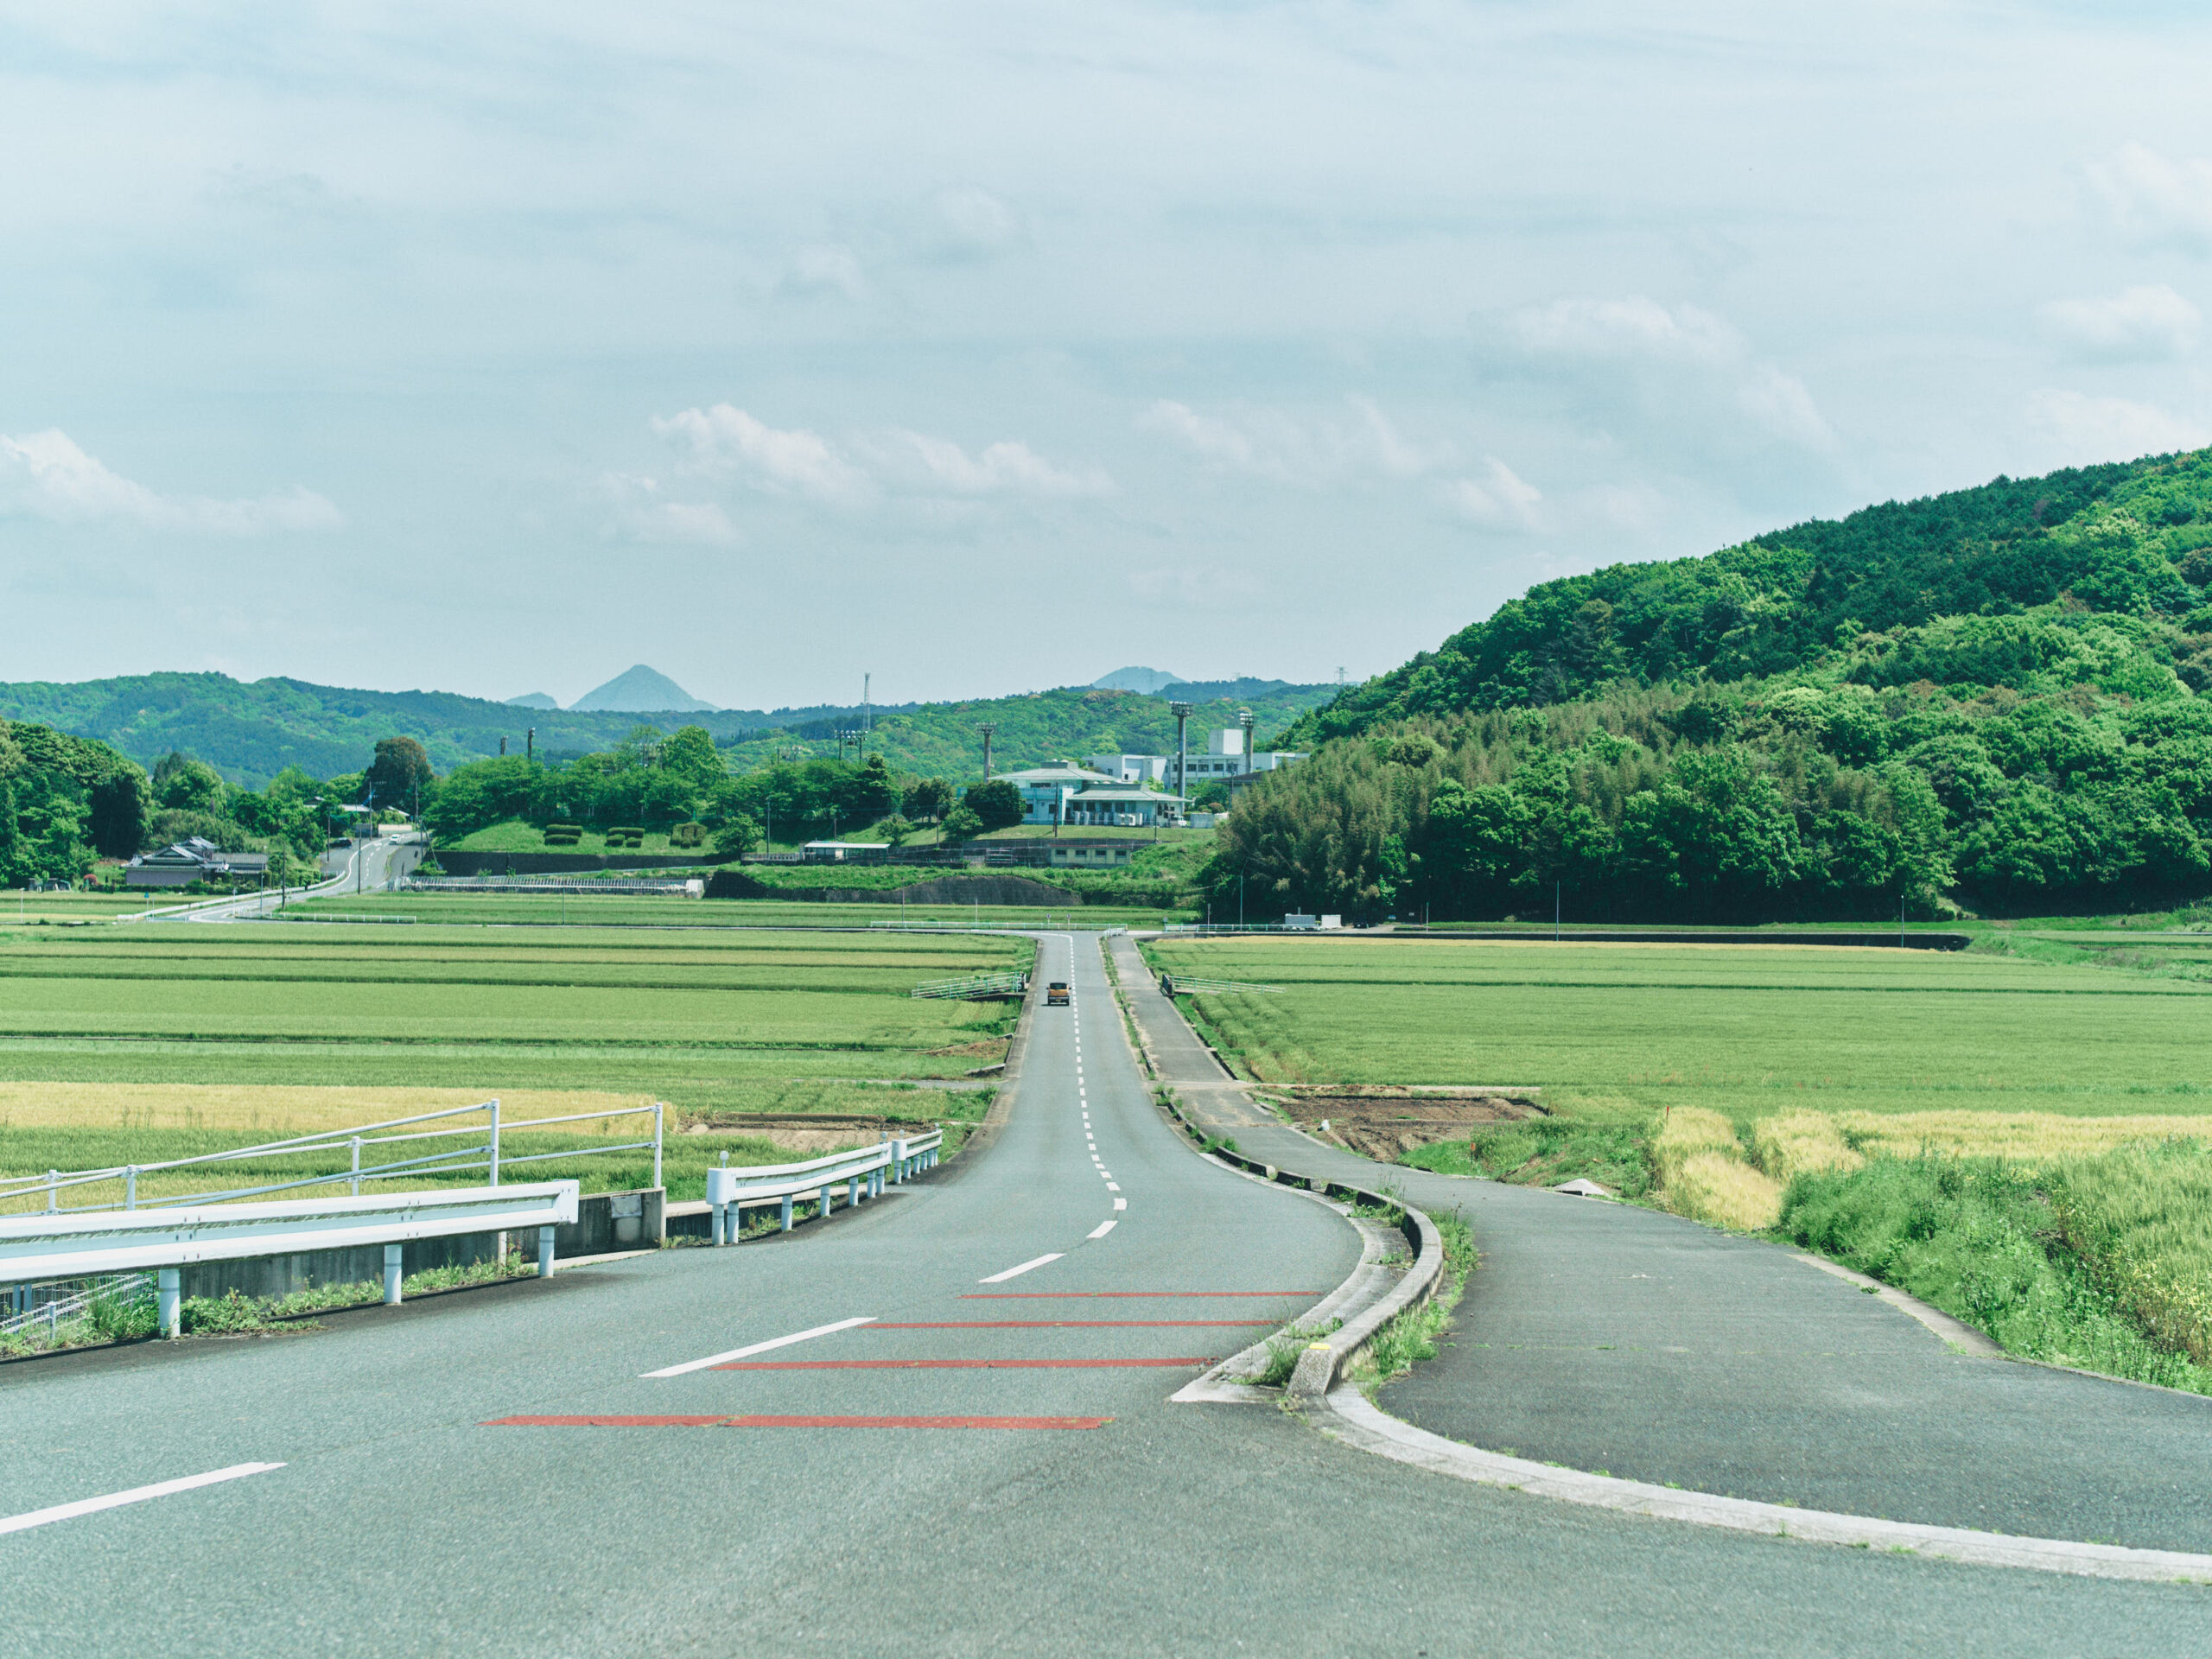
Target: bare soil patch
[(1385, 1123)]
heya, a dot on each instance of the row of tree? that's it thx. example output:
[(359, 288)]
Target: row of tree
[(1753, 803)]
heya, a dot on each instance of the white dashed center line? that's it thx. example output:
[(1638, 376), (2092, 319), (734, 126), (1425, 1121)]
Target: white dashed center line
[(1101, 1228)]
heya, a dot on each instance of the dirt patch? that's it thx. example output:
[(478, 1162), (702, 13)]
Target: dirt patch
[(989, 1045), (1385, 1124)]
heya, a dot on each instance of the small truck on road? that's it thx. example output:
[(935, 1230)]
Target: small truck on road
[(1056, 993)]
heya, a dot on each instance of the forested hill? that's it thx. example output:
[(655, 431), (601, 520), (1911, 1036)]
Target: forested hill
[(1989, 699), (249, 732), (2132, 539)]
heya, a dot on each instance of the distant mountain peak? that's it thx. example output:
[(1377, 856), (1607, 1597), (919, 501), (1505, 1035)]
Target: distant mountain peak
[(532, 700), (640, 690), (1147, 680)]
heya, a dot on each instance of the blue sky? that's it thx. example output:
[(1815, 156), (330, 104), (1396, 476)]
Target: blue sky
[(991, 346)]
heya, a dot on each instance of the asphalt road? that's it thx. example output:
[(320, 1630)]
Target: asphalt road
[(364, 866), (407, 1518), (1612, 1337)]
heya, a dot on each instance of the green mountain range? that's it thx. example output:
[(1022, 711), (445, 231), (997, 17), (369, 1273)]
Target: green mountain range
[(250, 732), (1990, 698)]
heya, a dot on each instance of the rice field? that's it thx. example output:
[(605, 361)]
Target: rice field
[(653, 911), (138, 1043), (1626, 1031)]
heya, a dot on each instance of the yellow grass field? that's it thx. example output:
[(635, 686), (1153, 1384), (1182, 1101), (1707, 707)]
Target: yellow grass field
[(281, 1109)]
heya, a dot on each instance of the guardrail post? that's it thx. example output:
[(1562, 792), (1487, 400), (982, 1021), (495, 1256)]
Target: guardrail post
[(545, 1252), (130, 1188), (660, 1112), (53, 1191), (495, 1143), (787, 1211), (853, 1193), (392, 1275), (168, 1300), (357, 1165), (720, 1213)]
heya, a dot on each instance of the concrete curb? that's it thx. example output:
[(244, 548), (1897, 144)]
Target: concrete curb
[(1322, 1364), (1349, 1417), (1960, 1336)]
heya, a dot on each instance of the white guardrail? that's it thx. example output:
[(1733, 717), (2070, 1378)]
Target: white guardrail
[(62, 1244), (862, 1172)]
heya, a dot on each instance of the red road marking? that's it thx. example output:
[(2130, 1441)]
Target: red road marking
[(915, 1422), (953, 1365), (1067, 1324), (797, 1422), (1036, 1295), (603, 1422)]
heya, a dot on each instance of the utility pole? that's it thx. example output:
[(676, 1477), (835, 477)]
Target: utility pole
[(868, 704), (529, 751), (988, 728), (503, 748), (1182, 713)]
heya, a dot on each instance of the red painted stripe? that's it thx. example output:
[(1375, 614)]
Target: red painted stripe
[(1044, 1295), (916, 1422), (1067, 1324), (603, 1422), (953, 1365)]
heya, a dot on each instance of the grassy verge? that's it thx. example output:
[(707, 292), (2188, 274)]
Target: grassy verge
[(1410, 1337)]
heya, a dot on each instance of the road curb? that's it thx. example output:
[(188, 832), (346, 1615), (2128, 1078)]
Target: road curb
[(1347, 1415), (1323, 1363)]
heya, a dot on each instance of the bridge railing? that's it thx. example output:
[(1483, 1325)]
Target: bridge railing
[(864, 1172)]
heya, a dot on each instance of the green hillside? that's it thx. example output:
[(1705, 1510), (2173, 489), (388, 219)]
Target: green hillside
[(252, 732), (1988, 698)]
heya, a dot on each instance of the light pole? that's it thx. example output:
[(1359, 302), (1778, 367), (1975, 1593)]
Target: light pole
[(1245, 723), (1182, 713), (988, 728)]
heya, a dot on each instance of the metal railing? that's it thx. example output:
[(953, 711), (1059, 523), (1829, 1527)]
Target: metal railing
[(976, 987), (1185, 985), (169, 1238), (66, 1300), (483, 1152), (863, 1173)]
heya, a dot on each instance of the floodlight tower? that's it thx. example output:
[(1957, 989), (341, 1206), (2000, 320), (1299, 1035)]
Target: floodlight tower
[(1245, 722), (988, 728), (1182, 713)]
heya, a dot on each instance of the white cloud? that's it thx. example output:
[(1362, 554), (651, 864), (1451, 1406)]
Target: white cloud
[(1008, 468), (970, 223), (825, 269), (726, 440), (2146, 324), (1502, 500), (2154, 199), (642, 514), (46, 474), (2091, 428), (1694, 366), (1270, 443)]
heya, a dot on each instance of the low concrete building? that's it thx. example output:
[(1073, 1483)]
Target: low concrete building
[(194, 859), (1130, 768), (845, 852), (1135, 808)]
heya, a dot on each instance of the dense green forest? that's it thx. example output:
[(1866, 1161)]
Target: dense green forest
[(251, 733), (1988, 699)]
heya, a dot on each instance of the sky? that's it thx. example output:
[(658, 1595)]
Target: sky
[(984, 347)]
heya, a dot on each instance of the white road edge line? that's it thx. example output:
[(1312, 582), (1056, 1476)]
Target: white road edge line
[(1001, 1278), (1101, 1228), (136, 1495), (759, 1347), (1374, 1430)]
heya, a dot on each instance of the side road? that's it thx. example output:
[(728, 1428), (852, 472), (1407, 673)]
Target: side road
[(1611, 1339)]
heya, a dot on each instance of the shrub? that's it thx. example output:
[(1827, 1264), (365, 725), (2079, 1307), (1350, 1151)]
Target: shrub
[(688, 835)]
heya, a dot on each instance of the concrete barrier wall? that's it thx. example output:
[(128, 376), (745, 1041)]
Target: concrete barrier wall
[(460, 863)]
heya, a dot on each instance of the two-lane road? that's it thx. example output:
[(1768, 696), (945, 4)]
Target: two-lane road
[(938, 1424)]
